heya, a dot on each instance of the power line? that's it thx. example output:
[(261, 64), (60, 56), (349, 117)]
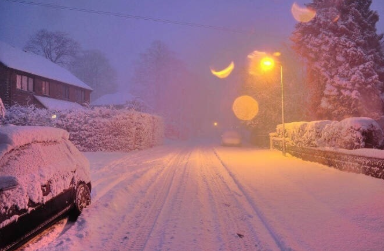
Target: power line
[(128, 16)]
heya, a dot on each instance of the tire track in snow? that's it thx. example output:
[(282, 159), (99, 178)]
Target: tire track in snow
[(275, 236), (143, 218), (240, 212), (225, 211), (114, 180)]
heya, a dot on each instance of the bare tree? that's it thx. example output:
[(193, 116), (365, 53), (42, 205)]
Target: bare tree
[(93, 68), (56, 46), (165, 83)]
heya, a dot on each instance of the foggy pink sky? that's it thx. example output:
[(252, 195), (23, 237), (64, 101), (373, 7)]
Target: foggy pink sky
[(123, 39)]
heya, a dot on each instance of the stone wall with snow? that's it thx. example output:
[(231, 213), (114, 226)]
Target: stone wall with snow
[(97, 129), (350, 133)]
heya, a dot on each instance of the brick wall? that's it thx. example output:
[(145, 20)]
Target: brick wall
[(345, 162)]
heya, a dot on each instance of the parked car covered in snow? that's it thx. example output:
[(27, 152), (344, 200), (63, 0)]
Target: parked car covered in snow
[(42, 177), (231, 138)]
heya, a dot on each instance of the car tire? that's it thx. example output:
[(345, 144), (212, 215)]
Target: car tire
[(82, 199)]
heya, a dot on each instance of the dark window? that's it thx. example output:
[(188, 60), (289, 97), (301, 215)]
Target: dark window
[(66, 92), (45, 87), (82, 94), (30, 84), (24, 83)]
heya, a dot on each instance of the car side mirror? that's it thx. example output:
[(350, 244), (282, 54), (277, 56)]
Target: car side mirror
[(8, 183)]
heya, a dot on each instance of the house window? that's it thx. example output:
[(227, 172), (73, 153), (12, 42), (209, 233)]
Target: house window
[(82, 96), (24, 83), (66, 92), (45, 87)]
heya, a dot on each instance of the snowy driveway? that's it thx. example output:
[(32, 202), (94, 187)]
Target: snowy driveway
[(195, 196)]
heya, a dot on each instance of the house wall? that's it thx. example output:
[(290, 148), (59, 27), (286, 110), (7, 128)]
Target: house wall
[(24, 98), (4, 85)]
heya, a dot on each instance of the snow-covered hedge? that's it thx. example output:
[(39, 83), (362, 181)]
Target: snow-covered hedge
[(97, 129), (350, 133)]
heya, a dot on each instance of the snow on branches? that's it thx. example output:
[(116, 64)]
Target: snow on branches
[(345, 61)]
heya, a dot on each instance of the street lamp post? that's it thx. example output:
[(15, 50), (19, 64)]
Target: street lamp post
[(282, 106), (268, 63)]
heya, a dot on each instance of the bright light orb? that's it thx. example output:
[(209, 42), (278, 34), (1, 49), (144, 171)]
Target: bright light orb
[(54, 116), (214, 123), (267, 63), (225, 72), (245, 107), (302, 14), (254, 62)]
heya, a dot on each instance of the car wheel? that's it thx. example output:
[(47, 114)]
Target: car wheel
[(82, 199)]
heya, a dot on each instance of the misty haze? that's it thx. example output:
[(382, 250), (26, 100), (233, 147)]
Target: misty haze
[(191, 125)]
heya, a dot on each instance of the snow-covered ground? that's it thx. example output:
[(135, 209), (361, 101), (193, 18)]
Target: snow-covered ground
[(199, 196)]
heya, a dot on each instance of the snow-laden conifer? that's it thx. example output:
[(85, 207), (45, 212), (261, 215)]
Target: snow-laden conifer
[(344, 60)]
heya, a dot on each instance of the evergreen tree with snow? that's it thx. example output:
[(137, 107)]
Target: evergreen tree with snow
[(345, 63)]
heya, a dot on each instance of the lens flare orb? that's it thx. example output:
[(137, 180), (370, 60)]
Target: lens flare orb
[(302, 14), (225, 72), (245, 107)]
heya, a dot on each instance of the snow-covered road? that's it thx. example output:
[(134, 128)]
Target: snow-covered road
[(197, 196)]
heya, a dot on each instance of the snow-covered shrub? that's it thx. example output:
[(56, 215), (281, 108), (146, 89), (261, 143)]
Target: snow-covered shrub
[(29, 115), (350, 133), (293, 132), (353, 133), (313, 132), (97, 129)]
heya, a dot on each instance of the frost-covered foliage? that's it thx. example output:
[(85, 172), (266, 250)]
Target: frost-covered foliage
[(350, 133), (305, 134), (345, 62), (353, 133), (97, 129), (2, 109)]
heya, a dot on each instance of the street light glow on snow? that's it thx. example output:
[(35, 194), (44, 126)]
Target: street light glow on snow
[(245, 107), (302, 14), (225, 72)]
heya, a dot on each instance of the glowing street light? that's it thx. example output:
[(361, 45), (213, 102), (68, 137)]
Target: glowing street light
[(268, 63), (214, 123)]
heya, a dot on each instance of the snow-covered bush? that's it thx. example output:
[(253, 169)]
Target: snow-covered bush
[(29, 115), (350, 133), (294, 132), (353, 133), (313, 132), (97, 129)]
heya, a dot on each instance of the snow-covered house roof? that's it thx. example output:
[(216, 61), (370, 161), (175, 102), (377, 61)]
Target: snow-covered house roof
[(31, 63), (57, 104), (117, 98)]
